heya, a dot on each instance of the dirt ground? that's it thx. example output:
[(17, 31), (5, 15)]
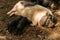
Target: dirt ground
[(29, 33)]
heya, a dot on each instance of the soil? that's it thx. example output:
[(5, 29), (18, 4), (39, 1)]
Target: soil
[(29, 33)]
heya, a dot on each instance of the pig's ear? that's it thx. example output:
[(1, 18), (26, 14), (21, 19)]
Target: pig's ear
[(10, 13)]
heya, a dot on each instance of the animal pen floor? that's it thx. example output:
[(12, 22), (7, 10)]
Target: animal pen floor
[(29, 33)]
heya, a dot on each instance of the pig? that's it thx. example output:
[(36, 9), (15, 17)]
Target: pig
[(20, 5), (17, 24), (37, 14), (12, 24)]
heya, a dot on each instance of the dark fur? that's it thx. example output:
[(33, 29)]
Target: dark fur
[(26, 3), (42, 2), (13, 23), (22, 24), (17, 24)]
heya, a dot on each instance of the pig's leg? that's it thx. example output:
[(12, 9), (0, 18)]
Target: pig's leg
[(12, 10)]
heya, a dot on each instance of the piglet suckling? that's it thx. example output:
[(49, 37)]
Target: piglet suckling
[(37, 14)]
